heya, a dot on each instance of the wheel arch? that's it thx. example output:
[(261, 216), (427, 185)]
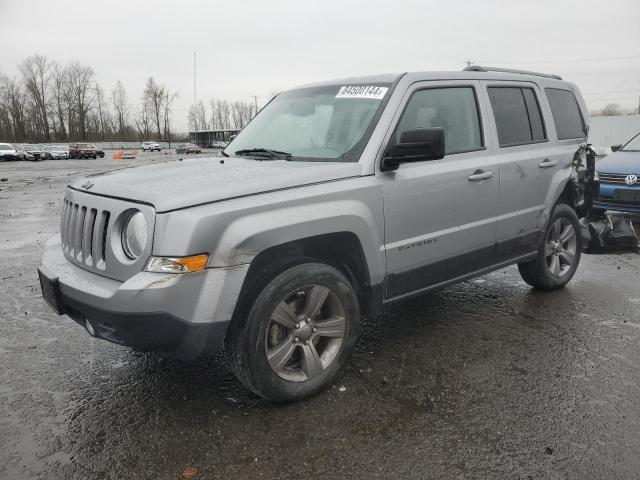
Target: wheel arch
[(341, 250)]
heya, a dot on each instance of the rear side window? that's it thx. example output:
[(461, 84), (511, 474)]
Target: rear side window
[(566, 114), (455, 109), (517, 114)]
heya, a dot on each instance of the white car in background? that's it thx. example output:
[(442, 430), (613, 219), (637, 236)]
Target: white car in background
[(219, 144), (56, 152), (150, 146), (8, 152)]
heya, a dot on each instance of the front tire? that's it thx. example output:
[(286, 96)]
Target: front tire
[(297, 334), (559, 254)]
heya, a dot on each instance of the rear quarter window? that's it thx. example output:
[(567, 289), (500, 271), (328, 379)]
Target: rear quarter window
[(566, 114)]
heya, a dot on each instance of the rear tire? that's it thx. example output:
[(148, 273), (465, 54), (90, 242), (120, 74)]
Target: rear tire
[(559, 253), (294, 338)]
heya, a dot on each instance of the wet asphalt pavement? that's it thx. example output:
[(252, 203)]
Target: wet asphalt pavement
[(486, 379)]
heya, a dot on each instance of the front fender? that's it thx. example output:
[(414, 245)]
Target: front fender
[(234, 232)]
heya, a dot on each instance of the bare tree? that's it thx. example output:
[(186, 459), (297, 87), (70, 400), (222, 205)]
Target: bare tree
[(35, 73), (197, 117), (14, 101), (236, 114), (83, 94), (168, 101), (192, 119), (223, 113), (153, 97), (213, 118), (59, 82), (611, 110), (201, 113), (242, 113), (104, 120), (142, 122), (121, 105)]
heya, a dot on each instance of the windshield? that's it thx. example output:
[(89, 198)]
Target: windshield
[(330, 123), (5, 146), (633, 145)]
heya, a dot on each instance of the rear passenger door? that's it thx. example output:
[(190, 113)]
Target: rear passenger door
[(440, 215), (521, 147)]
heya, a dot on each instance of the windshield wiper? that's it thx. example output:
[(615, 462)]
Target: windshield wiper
[(265, 152)]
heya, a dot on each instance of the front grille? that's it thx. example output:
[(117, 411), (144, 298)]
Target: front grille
[(84, 234), (612, 178)]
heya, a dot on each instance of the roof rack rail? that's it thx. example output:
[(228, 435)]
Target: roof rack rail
[(479, 68)]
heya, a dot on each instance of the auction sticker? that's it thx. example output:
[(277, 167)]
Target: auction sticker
[(361, 91)]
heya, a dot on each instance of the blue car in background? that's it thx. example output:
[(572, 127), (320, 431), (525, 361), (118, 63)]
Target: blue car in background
[(619, 175)]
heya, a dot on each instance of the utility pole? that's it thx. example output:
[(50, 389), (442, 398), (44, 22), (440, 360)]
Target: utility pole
[(255, 99), (194, 79), (468, 62)]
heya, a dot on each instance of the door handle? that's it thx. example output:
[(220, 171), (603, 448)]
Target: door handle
[(546, 163), (479, 175)]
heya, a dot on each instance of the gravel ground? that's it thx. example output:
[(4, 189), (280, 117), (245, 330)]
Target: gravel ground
[(487, 379)]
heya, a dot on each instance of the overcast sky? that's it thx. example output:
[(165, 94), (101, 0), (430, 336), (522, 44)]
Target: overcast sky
[(254, 47)]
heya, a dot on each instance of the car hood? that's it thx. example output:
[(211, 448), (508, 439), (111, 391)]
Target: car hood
[(183, 183), (619, 162)]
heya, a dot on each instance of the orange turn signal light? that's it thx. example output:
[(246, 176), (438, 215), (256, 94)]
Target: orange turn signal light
[(193, 263)]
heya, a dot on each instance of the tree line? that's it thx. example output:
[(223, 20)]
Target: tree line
[(49, 101), (221, 115), (613, 109)]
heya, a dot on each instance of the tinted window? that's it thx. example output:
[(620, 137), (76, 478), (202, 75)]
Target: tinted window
[(517, 114), (535, 117), (454, 109), (566, 114)]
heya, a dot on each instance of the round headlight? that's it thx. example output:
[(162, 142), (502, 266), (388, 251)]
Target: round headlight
[(134, 235)]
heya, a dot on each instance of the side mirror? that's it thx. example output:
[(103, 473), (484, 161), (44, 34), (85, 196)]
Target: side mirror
[(414, 146), (615, 148)]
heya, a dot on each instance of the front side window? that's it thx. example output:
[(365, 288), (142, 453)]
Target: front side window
[(331, 123), (566, 114), (517, 114), (453, 108)]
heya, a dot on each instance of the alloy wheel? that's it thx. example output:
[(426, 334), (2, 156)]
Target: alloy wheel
[(304, 333), (560, 247)]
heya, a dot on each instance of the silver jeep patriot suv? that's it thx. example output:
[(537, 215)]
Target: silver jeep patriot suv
[(338, 198)]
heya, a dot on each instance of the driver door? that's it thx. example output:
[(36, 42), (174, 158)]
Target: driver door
[(440, 215)]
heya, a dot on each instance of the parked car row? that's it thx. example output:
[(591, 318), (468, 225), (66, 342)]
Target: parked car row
[(33, 152)]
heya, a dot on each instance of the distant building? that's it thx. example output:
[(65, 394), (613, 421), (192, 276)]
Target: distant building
[(615, 130), (207, 137)]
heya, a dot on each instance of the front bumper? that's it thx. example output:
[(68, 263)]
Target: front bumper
[(182, 315)]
